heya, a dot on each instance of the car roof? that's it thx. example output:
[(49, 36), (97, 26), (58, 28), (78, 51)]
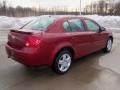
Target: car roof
[(59, 17)]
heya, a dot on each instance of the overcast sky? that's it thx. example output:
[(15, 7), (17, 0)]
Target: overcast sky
[(49, 3)]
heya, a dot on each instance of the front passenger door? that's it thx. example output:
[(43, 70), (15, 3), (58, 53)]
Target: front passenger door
[(97, 38)]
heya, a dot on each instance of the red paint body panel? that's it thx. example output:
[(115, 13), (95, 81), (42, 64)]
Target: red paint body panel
[(52, 41)]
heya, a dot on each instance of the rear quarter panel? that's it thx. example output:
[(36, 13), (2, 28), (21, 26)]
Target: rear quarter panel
[(53, 43)]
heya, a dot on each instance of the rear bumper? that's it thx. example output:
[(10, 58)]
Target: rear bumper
[(27, 56)]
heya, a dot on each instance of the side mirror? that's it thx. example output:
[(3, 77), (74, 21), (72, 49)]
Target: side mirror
[(102, 29)]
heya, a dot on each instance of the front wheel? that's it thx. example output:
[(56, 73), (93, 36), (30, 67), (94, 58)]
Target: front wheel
[(62, 62), (108, 45)]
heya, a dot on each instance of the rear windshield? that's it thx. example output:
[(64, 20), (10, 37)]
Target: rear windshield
[(40, 24)]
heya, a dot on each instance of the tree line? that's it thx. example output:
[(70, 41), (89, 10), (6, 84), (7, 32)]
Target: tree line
[(19, 11), (101, 8)]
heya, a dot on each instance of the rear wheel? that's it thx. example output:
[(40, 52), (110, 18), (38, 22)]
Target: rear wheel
[(62, 62), (108, 45)]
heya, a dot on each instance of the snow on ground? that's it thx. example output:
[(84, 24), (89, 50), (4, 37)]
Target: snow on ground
[(9, 22), (106, 21)]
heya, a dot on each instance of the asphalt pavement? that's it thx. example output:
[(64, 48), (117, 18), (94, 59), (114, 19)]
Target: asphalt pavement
[(98, 71)]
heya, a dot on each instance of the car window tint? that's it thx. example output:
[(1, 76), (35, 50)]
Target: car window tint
[(66, 26), (76, 25), (92, 26)]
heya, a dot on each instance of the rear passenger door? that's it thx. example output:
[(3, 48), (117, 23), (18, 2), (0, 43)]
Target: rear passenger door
[(78, 36)]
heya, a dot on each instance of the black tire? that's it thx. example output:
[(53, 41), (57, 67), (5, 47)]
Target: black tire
[(106, 49), (55, 65)]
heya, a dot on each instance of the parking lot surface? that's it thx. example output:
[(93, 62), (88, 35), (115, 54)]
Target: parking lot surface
[(98, 71)]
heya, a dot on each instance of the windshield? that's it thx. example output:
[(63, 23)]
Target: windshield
[(40, 24)]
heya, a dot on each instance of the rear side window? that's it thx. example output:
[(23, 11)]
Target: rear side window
[(66, 26), (76, 25), (92, 26)]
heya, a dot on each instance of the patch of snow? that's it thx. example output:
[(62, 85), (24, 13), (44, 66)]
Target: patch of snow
[(9, 22), (106, 21)]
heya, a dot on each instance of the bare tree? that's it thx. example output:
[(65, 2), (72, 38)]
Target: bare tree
[(3, 8), (117, 9), (101, 7)]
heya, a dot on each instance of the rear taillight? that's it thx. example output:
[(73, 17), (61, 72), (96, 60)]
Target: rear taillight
[(32, 42)]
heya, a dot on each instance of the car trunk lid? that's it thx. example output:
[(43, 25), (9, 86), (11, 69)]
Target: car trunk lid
[(17, 38)]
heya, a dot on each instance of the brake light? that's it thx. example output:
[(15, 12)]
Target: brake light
[(32, 42)]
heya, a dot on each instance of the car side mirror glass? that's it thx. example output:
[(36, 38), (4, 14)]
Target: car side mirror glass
[(102, 29)]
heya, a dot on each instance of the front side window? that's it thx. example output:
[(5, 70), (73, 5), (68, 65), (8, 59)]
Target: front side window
[(92, 26)]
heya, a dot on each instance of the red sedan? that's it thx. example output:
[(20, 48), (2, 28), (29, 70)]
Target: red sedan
[(56, 41)]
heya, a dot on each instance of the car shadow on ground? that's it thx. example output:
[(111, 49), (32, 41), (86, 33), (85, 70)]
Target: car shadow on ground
[(84, 67), (85, 71), (89, 60)]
